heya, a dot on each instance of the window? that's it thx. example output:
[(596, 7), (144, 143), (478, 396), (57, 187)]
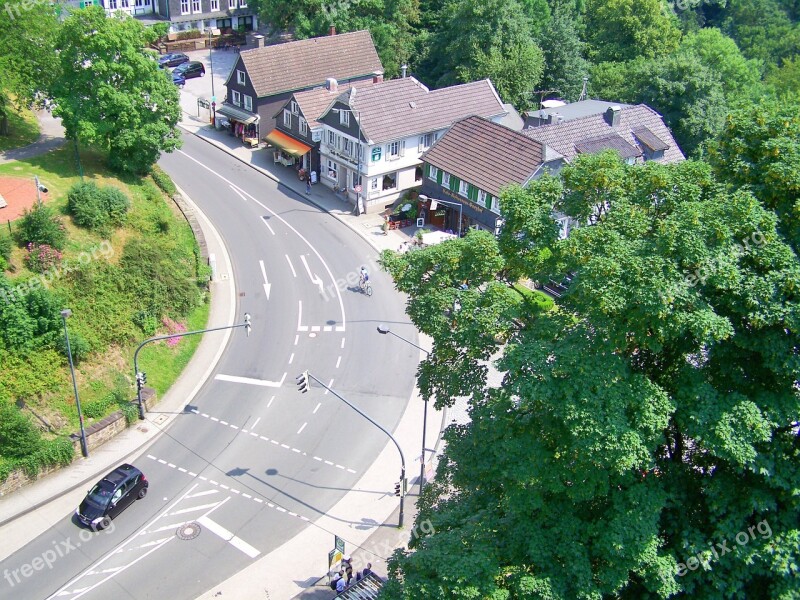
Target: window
[(237, 98), (463, 188), (373, 184), (418, 174), (344, 118), (446, 179), (331, 138), (124, 4), (287, 118), (295, 110), (495, 205), (184, 6), (248, 102), (231, 4), (481, 197), (356, 179), (433, 173), (425, 141), (303, 126), (196, 6), (214, 5), (240, 77), (390, 181), (395, 150), (347, 146), (333, 171), (242, 3)]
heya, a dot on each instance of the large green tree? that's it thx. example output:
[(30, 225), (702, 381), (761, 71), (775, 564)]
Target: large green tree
[(564, 62), (111, 93), (644, 441)]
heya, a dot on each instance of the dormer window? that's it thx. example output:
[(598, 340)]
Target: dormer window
[(295, 110), (240, 77), (344, 118)]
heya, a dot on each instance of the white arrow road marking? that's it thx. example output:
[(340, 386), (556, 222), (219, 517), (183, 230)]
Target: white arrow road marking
[(314, 278), (229, 537), (267, 284), (251, 381)]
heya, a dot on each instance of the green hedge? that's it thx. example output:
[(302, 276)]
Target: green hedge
[(163, 180)]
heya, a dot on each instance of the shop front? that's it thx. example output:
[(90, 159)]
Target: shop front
[(240, 123), (290, 152), (446, 216)]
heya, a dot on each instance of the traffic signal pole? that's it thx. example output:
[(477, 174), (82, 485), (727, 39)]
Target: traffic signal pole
[(302, 386), (141, 378)]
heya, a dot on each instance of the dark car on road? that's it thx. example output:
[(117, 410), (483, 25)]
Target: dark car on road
[(172, 60), (111, 495), (190, 69), (178, 79)]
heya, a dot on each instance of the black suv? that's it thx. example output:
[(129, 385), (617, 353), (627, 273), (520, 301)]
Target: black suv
[(190, 69), (111, 495)]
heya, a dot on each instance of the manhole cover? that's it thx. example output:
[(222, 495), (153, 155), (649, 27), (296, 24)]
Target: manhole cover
[(188, 531)]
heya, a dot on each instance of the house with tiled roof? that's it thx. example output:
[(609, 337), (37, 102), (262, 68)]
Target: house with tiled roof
[(465, 171), (637, 133), (263, 79), (373, 137)]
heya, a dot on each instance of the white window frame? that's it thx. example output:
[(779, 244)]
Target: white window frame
[(373, 184), (333, 168), (303, 126), (232, 5), (214, 5), (242, 3), (463, 188), (331, 138), (287, 119), (123, 4), (236, 98), (347, 147), (240, 78), (395, 150), (425, 141), (446, 179), (396, 183), (295, 109), (481, 197), (355, 179), (248, 102), (344, 118), (433, 174), (495, 205), (184, 6), (196, 6)]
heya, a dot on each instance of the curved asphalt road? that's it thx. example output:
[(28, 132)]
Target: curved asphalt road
[(250, 460)]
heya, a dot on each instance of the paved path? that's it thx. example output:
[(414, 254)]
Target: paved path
[(51, 137)]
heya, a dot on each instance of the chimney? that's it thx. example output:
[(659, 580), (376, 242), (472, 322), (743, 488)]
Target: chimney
[(403, 70), (332, 30), (259, 40), (554, 118), (612, 115), (331, 84), (377, 77)]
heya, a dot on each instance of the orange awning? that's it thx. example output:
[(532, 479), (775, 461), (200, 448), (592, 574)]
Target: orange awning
[(287, 144)]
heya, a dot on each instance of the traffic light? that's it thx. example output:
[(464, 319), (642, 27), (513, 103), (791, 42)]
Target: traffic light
[(141, 379), (397, 488), (302, 382)]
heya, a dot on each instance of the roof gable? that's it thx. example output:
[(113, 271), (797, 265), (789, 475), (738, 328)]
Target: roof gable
[(487, 155), (308, 63)]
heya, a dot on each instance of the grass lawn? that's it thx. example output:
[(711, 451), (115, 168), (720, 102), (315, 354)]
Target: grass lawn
[(541, 300), (23, 129)]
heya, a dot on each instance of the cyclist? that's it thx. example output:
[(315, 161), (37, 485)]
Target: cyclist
[(364, 277)]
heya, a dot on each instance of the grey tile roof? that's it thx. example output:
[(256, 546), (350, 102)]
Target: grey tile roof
[(314, 102), (486, 154), (563, 137), (308, 63), (576, 110), (403, 107), (612, 141)]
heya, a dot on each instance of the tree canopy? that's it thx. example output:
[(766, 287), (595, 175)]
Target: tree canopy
[(644, 423)]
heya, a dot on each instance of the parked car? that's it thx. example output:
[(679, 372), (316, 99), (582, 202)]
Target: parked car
[(190, 69), (172, 60), (111, 495), (178, 79)]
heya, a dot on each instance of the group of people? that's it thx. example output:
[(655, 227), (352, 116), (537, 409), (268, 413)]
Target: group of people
[(346, 577)]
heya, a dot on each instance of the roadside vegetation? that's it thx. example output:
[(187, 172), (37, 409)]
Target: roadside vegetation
[(118, 253)]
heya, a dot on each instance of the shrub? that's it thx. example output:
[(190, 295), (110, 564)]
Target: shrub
[(93, 207), (6, 245), (18, 436), (59, 451), (163, 180), (41, 226), (78, 347), (42, 258)]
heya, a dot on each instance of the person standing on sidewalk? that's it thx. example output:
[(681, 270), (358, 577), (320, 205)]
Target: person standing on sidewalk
[(308, 186)]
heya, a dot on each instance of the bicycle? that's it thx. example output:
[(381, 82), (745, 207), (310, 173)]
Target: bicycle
[(365, 286)]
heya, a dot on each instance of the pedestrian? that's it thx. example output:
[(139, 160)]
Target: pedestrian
[(308, 186), (341, 584)]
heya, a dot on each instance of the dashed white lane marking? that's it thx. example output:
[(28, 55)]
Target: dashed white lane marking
[(296, 339), (300, 326), (291, 358), (270, 401), (327, 328), (330, 385), (342, 343), (251, 381), (257, 420), (268, 227), (338, 361), (303, 426), (317, 408), (266, 439), (254, 498), (291, 266)]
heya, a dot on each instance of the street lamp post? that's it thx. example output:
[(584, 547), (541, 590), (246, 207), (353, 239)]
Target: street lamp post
[(357, 114), (213, 96), (434, 201), (302, 386), (141, 378), (383, 329), (84, 447)]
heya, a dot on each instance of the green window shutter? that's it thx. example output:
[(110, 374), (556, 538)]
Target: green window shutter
[(472, 192), (454, 183), (439, 176)]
